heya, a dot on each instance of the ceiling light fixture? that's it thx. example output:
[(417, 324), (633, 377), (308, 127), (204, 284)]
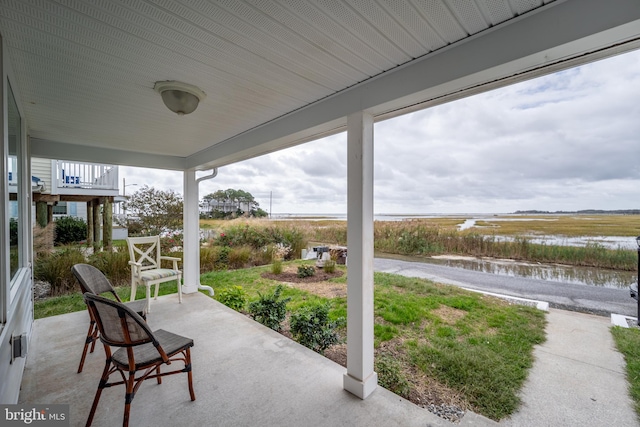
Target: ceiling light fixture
[(181, 98)]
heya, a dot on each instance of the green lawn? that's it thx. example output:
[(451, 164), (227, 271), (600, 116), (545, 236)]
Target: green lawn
[(478, 346), (628, 343)]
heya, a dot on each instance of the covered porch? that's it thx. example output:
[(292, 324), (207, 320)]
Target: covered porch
[(82, 83), (244, 374)]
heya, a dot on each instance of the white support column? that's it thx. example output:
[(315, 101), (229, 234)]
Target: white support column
[(360, 378), (191, 230)]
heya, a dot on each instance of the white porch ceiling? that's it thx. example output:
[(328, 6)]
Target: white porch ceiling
[(276, 72)]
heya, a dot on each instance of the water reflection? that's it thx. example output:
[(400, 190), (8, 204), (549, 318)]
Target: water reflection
[(555, 273), (609, 242)]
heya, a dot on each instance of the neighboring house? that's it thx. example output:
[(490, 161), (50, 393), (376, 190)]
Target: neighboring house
[(227, 206), (66, 188)]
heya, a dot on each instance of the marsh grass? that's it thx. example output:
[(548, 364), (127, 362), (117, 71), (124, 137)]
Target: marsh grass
[(440, 236), (563, 225), (628, 343), (420, 239)]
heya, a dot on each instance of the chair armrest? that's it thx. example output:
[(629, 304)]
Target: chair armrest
[(135, 266), (171, 258)]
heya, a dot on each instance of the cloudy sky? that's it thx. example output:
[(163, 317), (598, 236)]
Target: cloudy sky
[(566, 141)]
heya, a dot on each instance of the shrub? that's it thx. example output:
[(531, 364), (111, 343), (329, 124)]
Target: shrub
[(390, 375), (330, 266), (270, 310), (222, 263), (280, 251), (214, 258), (208, 258), (56, 269), (171, 241), (233, 297), (70, 230), (306, 271), (134, 227), (13, 232), (310, 326), (276, 266), (239, 257), (257, 237)]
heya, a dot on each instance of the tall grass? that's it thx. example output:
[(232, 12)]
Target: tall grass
[(424, 238), (570, 225), (55, 268), (260, 235), (114, 265), (421, 238)]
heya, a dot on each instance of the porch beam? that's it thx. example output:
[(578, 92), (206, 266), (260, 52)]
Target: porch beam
[(360, 378), (48, 149), (47, 198)]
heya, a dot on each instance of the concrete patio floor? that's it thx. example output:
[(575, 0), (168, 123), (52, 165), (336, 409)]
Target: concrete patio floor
[(244, 375)]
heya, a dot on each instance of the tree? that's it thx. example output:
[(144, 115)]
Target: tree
[(231, 202), (155, 211)]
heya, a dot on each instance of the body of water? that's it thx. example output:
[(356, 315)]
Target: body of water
[(551, 272)]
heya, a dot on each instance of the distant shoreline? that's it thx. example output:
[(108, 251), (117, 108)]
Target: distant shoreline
[(403, 216), (585, 211)]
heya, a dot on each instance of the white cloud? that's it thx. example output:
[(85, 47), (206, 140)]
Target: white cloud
[(560, 142)]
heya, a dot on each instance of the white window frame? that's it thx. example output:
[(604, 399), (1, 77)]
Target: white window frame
[(11, 287)]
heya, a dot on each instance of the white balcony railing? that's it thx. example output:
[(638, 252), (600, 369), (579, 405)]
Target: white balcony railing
[(67, 175)]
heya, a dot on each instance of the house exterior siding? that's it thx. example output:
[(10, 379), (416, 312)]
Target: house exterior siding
[(41, 168)]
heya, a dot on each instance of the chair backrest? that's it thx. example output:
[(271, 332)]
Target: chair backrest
[(92, 280), (119, 326), (145, 250)]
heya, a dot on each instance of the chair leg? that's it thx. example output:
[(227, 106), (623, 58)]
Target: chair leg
[(128, 398), (148, 286), (101, 385), (91, 339), (155, 295), (158, 373), (187, 362), (180, 288), (134, 287)]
